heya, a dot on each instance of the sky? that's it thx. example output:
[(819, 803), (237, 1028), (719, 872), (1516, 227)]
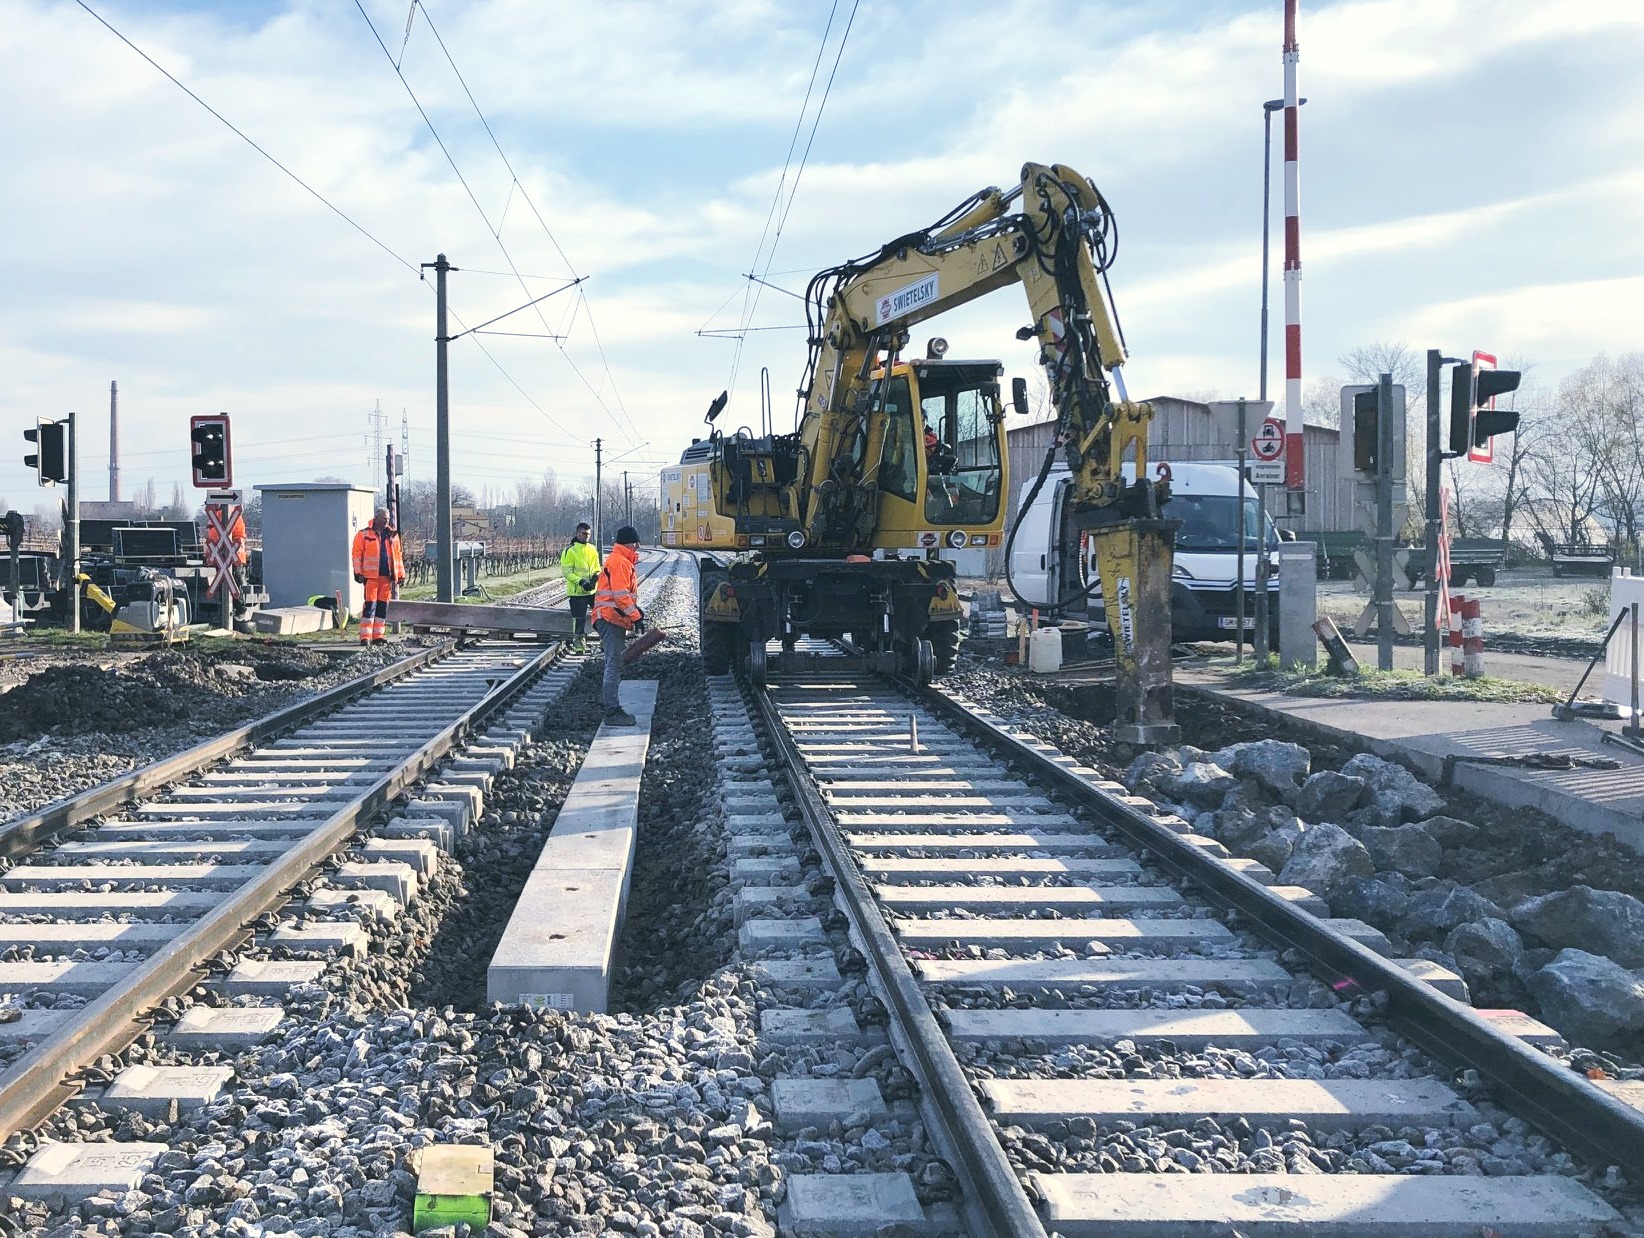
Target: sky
[(1472, 176)]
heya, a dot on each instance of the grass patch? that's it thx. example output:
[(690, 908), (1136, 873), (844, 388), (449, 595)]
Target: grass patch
[(1398, 685)]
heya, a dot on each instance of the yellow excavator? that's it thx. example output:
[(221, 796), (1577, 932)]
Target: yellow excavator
[(836, 528)]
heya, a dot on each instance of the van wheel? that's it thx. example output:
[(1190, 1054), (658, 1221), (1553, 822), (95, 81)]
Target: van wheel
[(1485, 575)]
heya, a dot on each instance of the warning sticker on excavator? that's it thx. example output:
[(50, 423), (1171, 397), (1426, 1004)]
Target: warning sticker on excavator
[(907, 299), (1127, 616), (928, 539)]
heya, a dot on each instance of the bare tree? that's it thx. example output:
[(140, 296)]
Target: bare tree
[(1366, 364), (1604, 401)]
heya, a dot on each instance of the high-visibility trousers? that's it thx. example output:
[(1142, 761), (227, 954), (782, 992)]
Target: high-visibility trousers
[(374, 618)]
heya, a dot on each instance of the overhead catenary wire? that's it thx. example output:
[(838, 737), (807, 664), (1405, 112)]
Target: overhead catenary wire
[(751, 302), (496, 233), (315, 193)]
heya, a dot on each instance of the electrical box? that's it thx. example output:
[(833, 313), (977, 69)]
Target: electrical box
[(308, 541)]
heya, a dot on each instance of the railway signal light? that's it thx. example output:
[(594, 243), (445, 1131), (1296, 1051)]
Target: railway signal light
[(1364, 430), (49, 460), (1474, 419), (208, 436)]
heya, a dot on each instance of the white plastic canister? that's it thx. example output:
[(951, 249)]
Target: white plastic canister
[(1045, 651)]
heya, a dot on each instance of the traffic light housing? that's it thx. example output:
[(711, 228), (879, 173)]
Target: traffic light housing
[(1473, 422), (1365, 430), (49, 460), (208, 439)]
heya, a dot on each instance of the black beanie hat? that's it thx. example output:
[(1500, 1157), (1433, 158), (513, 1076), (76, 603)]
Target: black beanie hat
[(628, 535)]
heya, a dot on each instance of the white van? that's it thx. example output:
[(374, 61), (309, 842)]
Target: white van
[(1206, 499)]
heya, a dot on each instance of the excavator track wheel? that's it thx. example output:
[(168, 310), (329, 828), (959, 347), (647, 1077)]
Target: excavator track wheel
[(944, 639)]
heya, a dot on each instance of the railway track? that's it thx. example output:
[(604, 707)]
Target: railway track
[(1117, 1029), (240, 865)]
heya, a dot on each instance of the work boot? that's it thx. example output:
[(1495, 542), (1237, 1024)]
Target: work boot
[(379, 640), (579, 646), (620, 717)]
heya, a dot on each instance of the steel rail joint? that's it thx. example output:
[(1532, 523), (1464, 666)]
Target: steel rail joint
[(1598, 1127), (964, 1133), (23, 834), (36, 1083)]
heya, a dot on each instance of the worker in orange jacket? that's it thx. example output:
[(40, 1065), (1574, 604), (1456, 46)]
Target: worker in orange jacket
[(616, 613), (379, 567)]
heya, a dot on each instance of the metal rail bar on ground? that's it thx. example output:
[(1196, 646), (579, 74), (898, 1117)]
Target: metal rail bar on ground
[(23, 834), (43, 1078), (961, 1129), (1593, 1124)]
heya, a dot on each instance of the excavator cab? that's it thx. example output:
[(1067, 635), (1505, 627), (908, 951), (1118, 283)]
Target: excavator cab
[(941, 455)]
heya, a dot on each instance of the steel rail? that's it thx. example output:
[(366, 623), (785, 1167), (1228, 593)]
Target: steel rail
[(42, 1079), (24, 834), (1587, 1120), (961, 1130)]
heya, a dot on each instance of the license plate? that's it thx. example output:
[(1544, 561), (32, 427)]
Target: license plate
[(1232, 621)]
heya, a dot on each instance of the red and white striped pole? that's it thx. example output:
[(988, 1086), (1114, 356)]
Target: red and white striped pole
[(1295, 461), (1458, 606), (1472, 638)]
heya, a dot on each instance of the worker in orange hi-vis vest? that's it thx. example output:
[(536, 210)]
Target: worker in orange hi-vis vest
[(379, 567)]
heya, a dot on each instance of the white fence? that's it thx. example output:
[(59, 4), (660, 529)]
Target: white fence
[(1626, 591)]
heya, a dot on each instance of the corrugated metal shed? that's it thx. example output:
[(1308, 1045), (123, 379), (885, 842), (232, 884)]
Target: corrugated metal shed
[(1190, 430)]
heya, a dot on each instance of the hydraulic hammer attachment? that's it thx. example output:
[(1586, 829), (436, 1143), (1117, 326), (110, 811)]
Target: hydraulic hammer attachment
[(1135, 559)]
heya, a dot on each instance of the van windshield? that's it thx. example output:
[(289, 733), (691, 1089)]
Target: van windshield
[(1210, 522)]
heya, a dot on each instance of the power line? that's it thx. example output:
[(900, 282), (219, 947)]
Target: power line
[(318, 196), (494, 230), (751, 303)]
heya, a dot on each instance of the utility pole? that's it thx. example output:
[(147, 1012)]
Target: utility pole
[(599, 500), (71, 525), (113, 442), (444, 590), (1435, 444), (627, 499), (1384, 522)]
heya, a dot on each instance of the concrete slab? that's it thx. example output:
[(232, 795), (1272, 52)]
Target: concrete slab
[(1187, 1029), (178, 905), (1253, 869), (1366, 935), (927, 819), (897, 869), (757, 935), (851, 1205), (1025, 802), (420, 855), (166, 851), (25, 877), (69, 936), (489, 752), (226, 1030), (393, 878), (343, 936), (782, 1025), (357, 903), (763, 869), (88, 979), (269, 978), (1517, 1023), (1242, 977), (559, 944), (1114, 933), (473, 797), (162, 1091), (68, 1172), (289, 620), (29, 1026), (980, 843), (173, 831), (817, 1102), (249, 809), (455, 813), (1323, 1104), (1301, 896), (752, 901), (1440, 977), (1321, 1205), (811, 975), (1007, 899), (436, 830)]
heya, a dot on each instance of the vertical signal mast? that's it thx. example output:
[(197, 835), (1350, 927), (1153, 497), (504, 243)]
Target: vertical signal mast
[(1295, 462)]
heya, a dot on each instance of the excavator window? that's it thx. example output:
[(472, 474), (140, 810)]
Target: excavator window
[(899, 462), (961, 452)]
